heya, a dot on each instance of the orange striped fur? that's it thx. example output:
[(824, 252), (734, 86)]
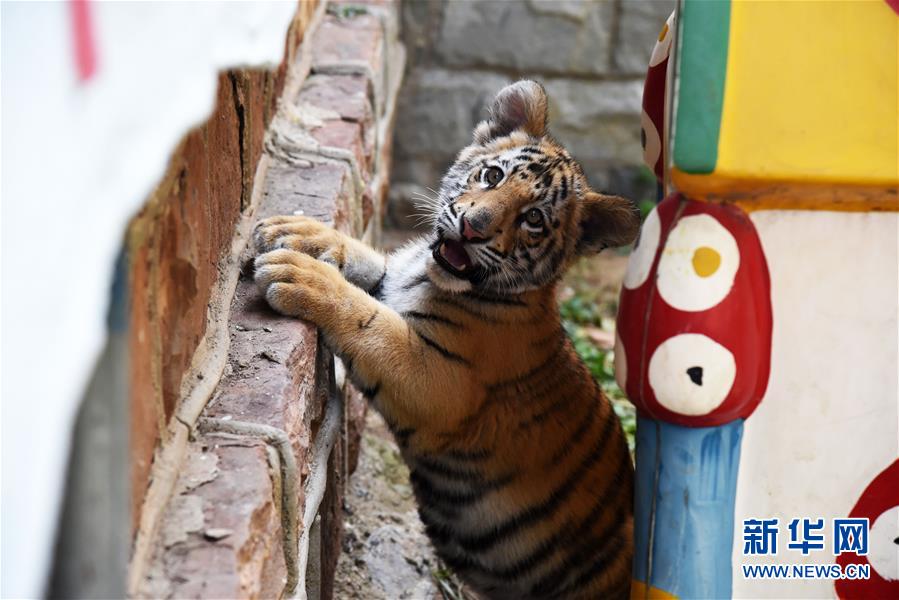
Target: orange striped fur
[(519, 464)]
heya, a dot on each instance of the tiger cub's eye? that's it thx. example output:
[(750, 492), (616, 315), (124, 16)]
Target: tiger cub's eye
[(492, 175), (534, 217)]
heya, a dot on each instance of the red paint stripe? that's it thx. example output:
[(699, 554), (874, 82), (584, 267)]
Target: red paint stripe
[(83, 35), (881, 495)]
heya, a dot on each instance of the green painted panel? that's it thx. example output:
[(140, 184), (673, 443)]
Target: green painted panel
[(702, 66)]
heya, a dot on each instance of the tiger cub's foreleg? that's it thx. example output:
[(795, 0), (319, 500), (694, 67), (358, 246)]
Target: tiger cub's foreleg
[(360, 264), (387, 358)]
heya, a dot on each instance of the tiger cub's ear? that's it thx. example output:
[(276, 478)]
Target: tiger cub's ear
[(521, 105), (606, 222)]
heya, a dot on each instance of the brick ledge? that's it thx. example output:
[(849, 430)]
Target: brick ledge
[(220, 366)]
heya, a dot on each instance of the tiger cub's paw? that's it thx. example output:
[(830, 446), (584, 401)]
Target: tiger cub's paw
[(297, 285), (302, 234)]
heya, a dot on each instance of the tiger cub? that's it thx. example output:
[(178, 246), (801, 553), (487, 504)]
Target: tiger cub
[(518, 462)]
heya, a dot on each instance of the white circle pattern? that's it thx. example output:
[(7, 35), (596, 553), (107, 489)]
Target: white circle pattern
[(691, 374), (678, 282)]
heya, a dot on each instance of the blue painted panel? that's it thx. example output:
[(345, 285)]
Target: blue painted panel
[(684, 517)]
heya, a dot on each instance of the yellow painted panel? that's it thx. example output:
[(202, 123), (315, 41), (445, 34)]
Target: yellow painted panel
[(640, 592), (767, 194), (812, 92)]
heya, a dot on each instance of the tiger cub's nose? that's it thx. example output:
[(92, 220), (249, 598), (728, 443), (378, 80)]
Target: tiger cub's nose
[(469, 232)]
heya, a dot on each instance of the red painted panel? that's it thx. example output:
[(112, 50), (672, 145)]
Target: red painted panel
[(654, 100), (741, 322), (881, 495)]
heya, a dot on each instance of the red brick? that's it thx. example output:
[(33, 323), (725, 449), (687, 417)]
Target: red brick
[(272, 377), (323, 190), (256, 101), (146, 406), (353, 40), (347, 136), (175, 246), (275, 377), (296, 33), (350, 96), (275, 374), (246, 563)]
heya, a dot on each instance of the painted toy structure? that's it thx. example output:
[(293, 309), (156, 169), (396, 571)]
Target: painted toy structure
[(759, 317)]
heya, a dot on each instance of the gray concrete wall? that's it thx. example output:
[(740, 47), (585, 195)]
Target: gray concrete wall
[(590, 54)]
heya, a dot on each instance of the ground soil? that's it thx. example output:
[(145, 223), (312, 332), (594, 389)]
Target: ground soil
[(386, 554)]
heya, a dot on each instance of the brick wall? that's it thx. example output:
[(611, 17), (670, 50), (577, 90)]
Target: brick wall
[(591, 55), (226, 397)]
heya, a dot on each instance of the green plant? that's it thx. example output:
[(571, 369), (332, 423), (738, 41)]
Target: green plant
[(645, 207), (347, 11), (449, 585), (578, 314)]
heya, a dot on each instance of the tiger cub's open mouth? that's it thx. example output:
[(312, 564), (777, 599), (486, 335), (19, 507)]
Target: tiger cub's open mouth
[(452, 256)]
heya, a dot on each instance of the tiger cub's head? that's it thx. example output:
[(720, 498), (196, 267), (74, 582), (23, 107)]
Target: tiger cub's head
[(515, 209)]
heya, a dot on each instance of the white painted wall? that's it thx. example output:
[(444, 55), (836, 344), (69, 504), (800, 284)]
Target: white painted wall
[(78, 162), (829, 421)]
